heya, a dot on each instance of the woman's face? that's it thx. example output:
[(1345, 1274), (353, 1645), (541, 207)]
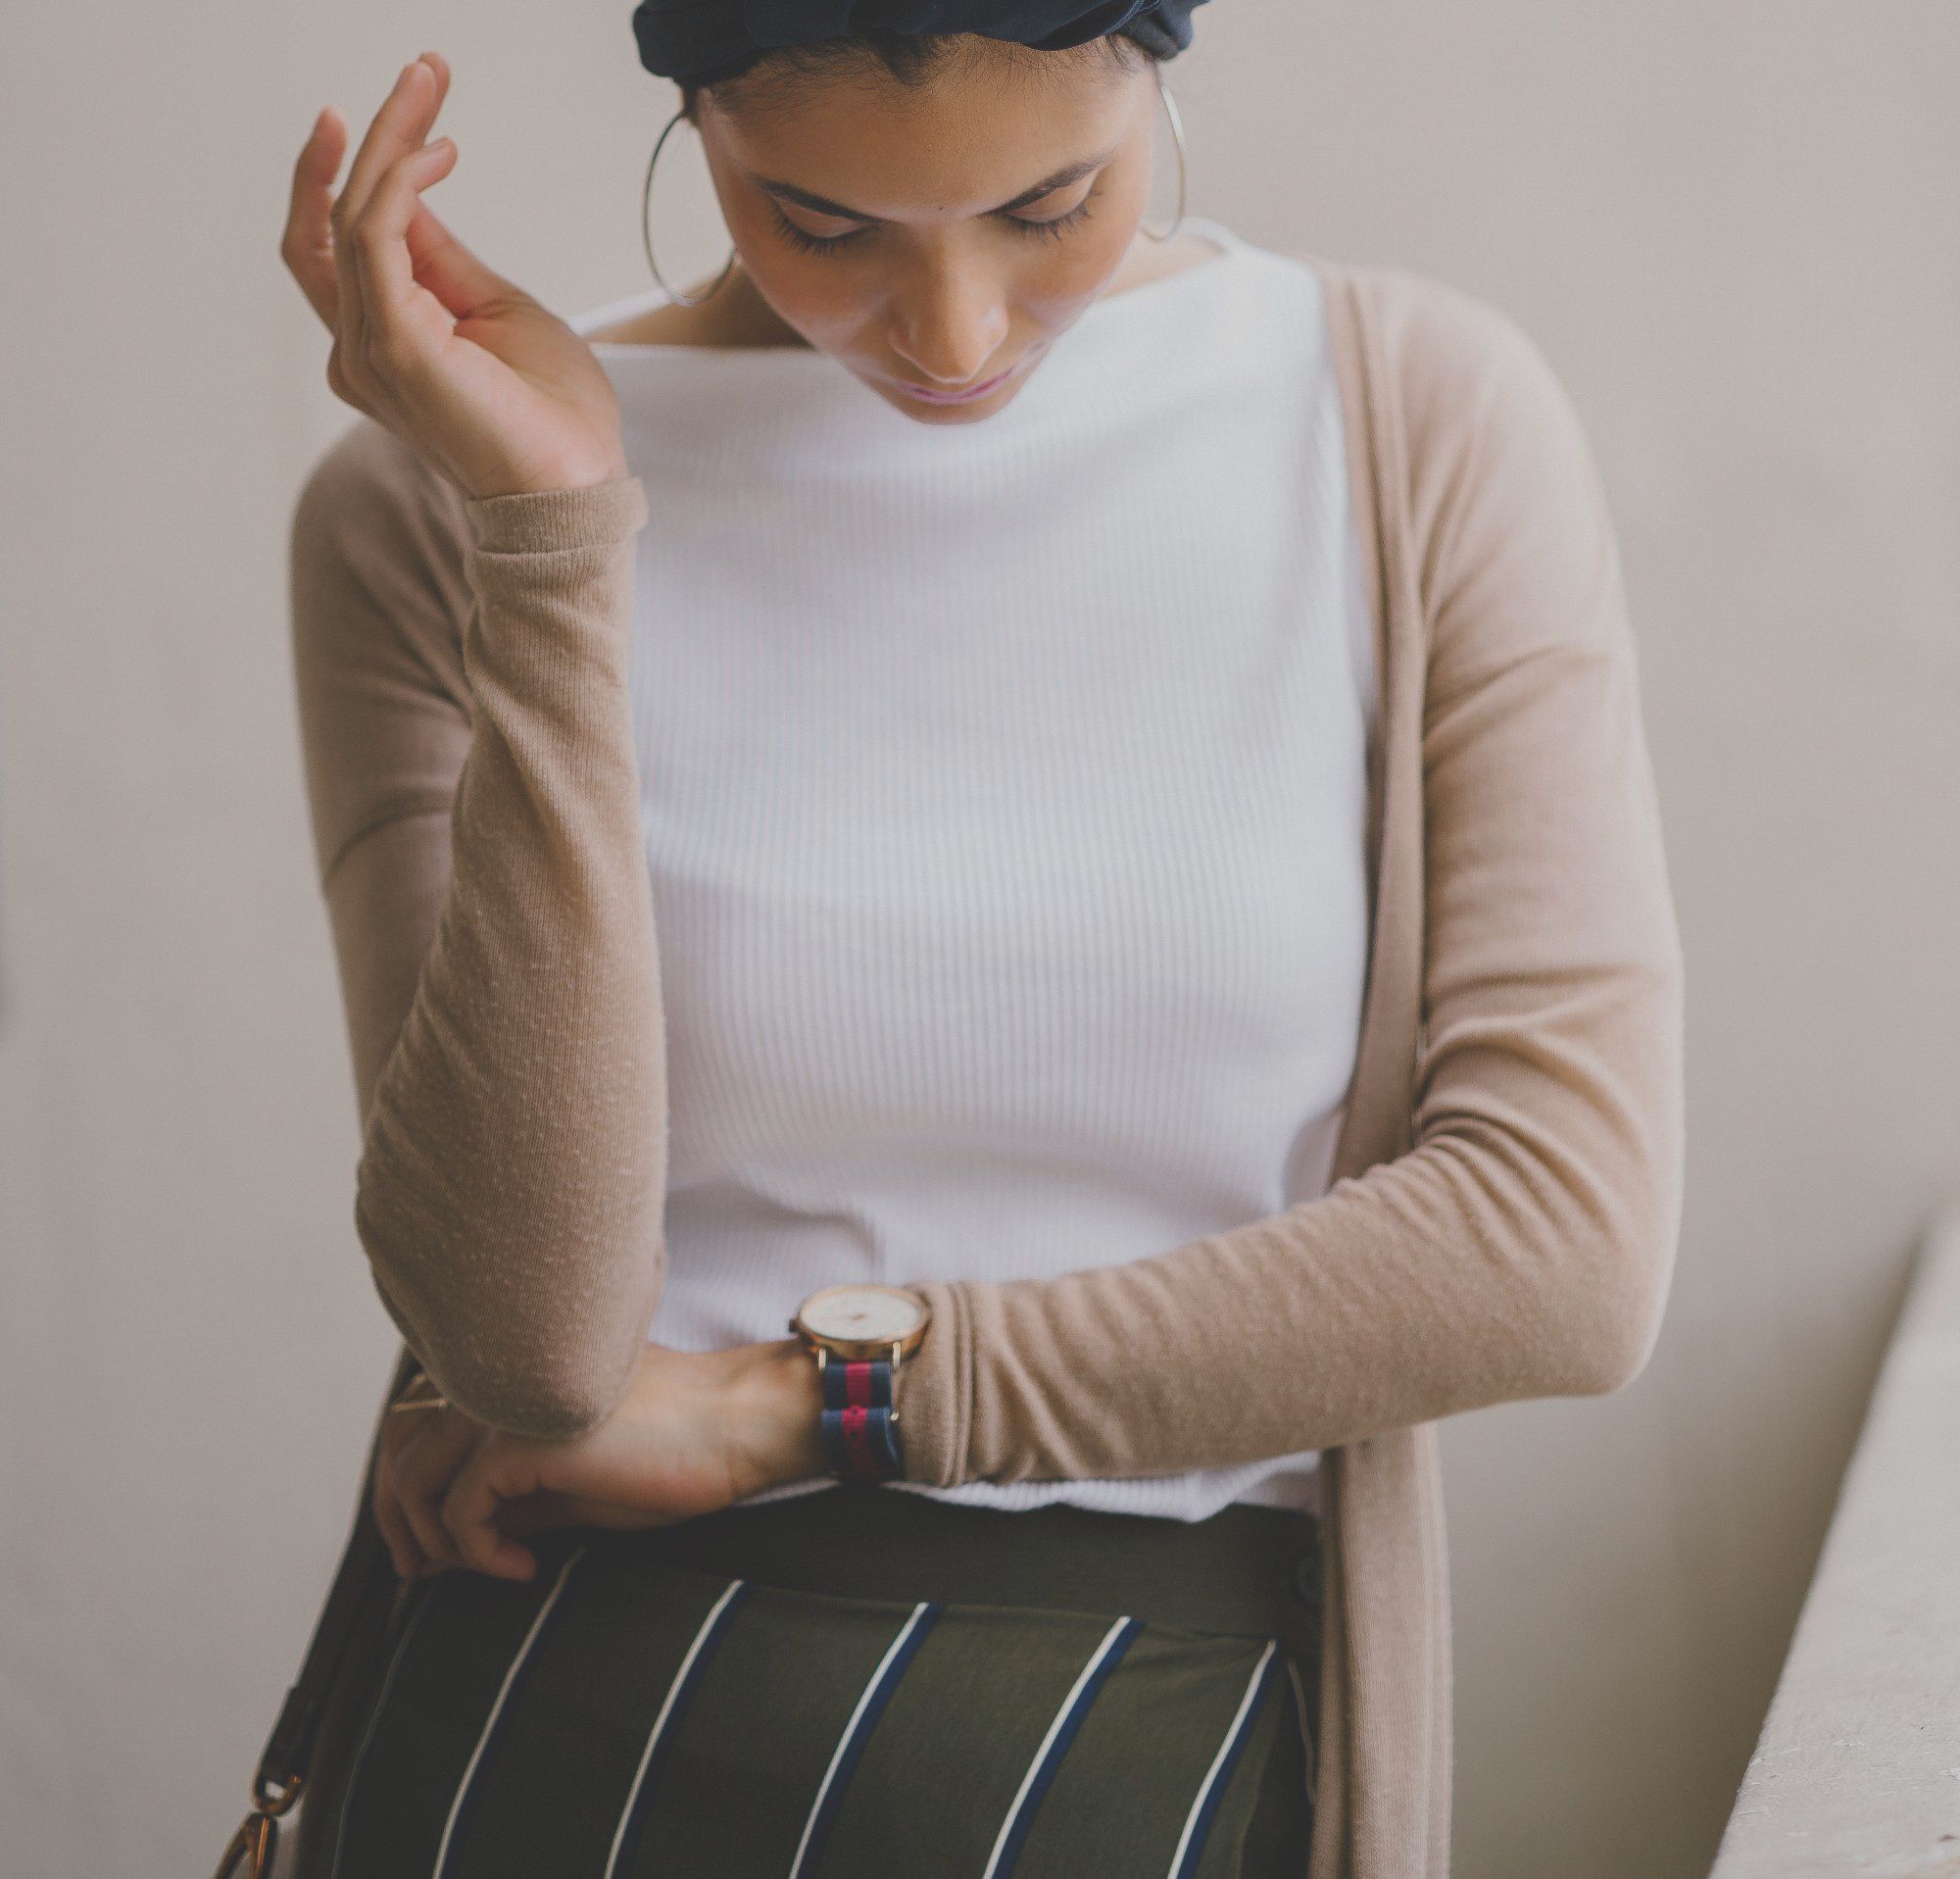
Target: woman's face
[(937, 240)]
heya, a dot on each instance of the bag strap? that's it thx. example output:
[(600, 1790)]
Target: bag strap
[(364, 1563), (281, 1773)]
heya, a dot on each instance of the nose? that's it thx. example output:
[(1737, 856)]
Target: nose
[(948, 324)]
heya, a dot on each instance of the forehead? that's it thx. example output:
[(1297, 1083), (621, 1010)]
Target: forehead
[(976, 134)]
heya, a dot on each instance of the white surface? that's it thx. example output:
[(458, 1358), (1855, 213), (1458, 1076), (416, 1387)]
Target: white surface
[(1858, 1769)]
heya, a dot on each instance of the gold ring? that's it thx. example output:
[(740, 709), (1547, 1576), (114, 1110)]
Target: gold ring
[(406, 1400)]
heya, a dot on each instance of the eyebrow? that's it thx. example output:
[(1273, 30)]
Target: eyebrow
[(823, 204)]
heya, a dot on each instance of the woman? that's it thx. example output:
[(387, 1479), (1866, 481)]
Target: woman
[(1159, 894)]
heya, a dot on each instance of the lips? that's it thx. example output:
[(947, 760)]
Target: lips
[(933, 395), (937, 397)]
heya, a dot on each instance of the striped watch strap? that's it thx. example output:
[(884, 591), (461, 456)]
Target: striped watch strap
[(859, 1427)]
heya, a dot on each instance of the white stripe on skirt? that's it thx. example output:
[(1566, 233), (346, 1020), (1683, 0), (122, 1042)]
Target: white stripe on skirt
[(1218, 1760), (503, 1690), (661, 1721), (850, 1728), (1061, 1716), (1306, 1735)]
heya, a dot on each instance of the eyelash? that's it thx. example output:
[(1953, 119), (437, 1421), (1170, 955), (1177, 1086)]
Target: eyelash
[(811, 244)]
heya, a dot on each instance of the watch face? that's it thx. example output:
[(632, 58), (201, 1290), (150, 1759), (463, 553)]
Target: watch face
[(861, 1314)]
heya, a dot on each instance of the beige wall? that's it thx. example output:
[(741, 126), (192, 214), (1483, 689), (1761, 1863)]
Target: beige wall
[(1732, 227)]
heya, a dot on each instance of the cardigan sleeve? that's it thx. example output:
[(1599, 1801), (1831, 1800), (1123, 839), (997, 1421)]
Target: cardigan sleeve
[(461, 668), (1523, 1244)]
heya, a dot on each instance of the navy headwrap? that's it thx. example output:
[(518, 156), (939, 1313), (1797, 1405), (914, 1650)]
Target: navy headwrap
[(698, 41)]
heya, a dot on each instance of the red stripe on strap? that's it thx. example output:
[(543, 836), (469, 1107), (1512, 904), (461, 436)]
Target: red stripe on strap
[(858, 1382), (857, 1424)]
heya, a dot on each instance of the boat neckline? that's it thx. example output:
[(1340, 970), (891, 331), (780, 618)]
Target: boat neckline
[(1231, 245)]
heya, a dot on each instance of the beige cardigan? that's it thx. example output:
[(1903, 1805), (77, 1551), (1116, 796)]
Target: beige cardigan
[(1507, 1192)]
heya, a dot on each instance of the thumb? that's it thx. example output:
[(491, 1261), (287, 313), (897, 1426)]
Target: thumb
[(443, 264), (495, 1473)]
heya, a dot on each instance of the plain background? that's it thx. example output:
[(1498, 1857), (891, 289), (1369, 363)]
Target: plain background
[(1733, 229)]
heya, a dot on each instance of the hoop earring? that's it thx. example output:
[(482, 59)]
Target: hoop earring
[(646, 233), (1177, 135)]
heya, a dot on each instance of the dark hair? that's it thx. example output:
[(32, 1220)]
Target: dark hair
[(911, 57)]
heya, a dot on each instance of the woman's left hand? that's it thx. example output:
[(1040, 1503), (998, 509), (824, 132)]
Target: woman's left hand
[(697, 1431)]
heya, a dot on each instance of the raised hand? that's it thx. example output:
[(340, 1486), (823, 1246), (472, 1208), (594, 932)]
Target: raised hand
[(495, 391)]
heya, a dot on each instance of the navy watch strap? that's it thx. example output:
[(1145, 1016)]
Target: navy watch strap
[(859, 1427)]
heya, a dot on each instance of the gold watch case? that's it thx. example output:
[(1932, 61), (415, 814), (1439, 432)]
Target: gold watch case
[(887, 1321)]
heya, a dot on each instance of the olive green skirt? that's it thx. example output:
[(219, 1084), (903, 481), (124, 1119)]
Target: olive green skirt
[(851, 1681)]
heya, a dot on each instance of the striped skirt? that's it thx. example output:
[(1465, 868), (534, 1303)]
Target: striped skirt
[(858, 1679)]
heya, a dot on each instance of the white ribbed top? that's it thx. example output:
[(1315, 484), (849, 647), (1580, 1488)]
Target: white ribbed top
[(1004, 791)]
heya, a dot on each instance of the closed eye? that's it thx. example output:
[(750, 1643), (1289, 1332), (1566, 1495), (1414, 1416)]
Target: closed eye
[(1054, 228)]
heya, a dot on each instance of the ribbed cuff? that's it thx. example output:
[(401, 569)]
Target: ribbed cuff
[(539, 521)]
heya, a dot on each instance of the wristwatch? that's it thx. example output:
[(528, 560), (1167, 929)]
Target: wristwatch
[(859, 1335)]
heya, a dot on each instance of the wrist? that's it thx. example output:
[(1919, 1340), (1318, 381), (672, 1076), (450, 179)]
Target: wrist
[(775, 1397), (590, 475), (562, 478)]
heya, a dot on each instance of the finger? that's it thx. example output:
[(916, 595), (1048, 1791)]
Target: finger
[(471, 1511), (413, 247), (424, 1472), (393, 333), (306, 245), (493, 1476), (398, 126), (437, 63), (443, 264), (403, 1546), (543, 1512)]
